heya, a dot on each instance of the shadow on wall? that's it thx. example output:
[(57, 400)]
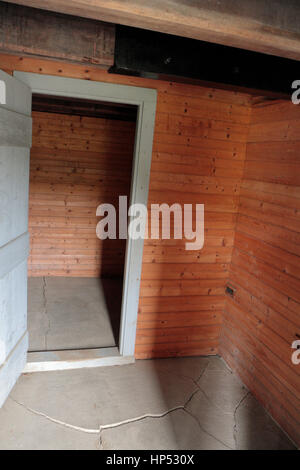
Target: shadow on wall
[(112, 290), (116, 179)]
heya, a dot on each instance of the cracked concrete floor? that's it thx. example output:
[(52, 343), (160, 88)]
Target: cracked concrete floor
[(73, 312), (182, 403)]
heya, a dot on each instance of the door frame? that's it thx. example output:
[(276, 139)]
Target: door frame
[(145, 100)]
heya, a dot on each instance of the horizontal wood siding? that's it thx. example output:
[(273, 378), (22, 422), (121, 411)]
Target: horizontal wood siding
[(198, 156), (263, 318), (76, 164)]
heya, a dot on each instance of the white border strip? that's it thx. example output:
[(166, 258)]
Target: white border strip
[(75, 359)]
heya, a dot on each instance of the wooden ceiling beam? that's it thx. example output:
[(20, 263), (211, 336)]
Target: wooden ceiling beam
[(269, 26), (40, 33)]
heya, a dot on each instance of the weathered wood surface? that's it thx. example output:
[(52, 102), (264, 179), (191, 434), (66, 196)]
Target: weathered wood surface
[(269, 26), (42, 33)]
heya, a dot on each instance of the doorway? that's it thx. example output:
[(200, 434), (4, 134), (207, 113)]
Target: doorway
[(143, 101), (81, 157)]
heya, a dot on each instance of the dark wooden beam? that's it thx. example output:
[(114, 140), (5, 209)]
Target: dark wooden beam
[(269, 26), (167, 57), (29, 31)]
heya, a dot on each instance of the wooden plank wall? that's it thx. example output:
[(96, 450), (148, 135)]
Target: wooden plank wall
[(198, 156), (263, 318), (76, 164)]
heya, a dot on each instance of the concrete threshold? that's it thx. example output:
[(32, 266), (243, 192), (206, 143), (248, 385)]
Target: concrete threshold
[(46, 361)]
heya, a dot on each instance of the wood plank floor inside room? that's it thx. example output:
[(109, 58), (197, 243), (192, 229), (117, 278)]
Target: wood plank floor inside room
[(81, 157)]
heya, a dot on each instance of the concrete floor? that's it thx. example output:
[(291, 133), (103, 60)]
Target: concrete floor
[(73, 313), (183, 403)]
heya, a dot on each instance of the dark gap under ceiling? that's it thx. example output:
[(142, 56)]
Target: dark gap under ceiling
[(82, 107), (162, 56)]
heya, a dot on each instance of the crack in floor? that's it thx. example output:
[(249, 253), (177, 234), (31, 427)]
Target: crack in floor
[(212, 402), (104, 427), (196, 382), (207, 432), (54, 420), (179, 374), (161, 415), (234, 417), (46, 312)]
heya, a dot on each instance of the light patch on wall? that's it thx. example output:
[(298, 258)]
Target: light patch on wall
[(2, 92)]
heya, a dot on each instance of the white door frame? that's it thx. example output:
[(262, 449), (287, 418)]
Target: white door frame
[(145, 100)]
